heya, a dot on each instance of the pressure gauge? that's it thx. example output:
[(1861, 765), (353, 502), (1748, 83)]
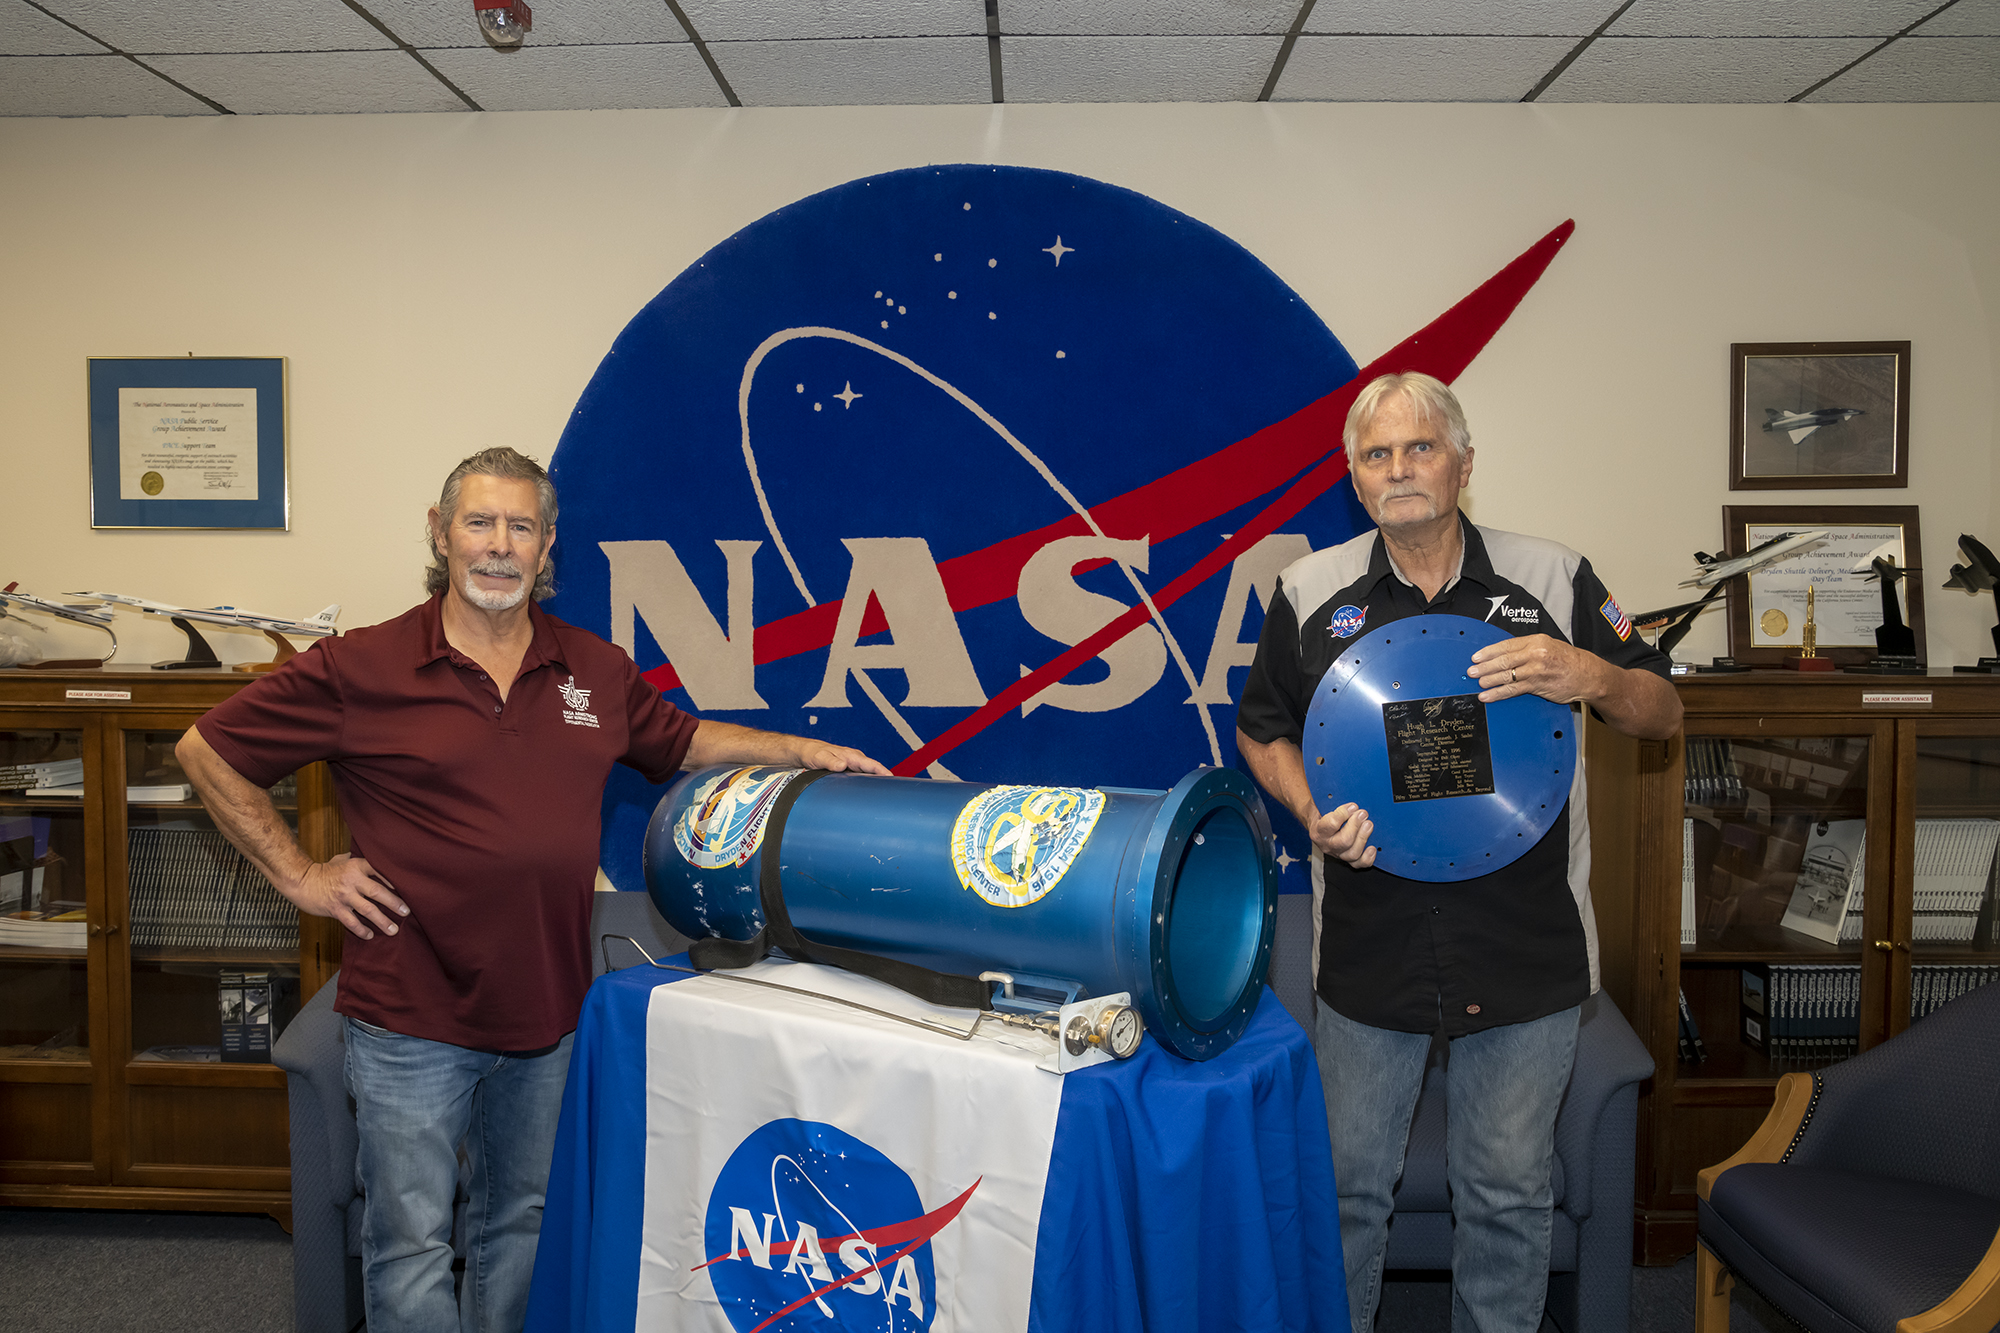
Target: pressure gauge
[(1117, 1030)]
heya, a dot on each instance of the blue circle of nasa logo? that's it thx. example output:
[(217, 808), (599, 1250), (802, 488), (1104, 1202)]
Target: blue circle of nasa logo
[(808, 1227), (1346, 622), (887, 465)]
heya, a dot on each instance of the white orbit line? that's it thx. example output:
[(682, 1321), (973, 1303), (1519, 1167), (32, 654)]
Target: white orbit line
[(845, 1221), (783, 336)]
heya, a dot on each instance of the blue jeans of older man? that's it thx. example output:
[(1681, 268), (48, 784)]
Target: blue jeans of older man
[(416, 1102), (1503, 1088)]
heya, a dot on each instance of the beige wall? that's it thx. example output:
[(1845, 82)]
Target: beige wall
[(370, 251)]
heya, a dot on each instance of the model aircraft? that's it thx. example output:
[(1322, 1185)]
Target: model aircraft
[(1716, 568), (1798, 425), (1980, 573), (318, 626), (97, 617)]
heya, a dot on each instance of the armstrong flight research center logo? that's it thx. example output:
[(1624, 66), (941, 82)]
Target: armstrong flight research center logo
[(984, 470)]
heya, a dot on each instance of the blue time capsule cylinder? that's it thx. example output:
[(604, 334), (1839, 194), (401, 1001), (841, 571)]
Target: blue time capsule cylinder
[(1170, 895)]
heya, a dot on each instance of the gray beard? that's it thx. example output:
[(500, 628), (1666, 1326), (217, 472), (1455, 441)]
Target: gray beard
[(495, 600)]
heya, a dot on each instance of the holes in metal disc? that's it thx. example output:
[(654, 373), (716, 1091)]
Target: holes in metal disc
[(1559, 735)]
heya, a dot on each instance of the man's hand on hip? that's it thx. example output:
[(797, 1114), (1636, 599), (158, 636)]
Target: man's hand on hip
[(348, 890)]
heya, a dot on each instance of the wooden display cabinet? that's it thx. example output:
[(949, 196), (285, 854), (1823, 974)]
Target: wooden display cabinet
[(1766, 762), (114, 1091)]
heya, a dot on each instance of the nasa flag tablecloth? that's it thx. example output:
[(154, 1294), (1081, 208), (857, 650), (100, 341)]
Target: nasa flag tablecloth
[(733, 1159)]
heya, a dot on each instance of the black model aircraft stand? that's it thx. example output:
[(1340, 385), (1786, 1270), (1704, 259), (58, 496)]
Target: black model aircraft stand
[(1980, 573), (1895, 642), (200, 657)]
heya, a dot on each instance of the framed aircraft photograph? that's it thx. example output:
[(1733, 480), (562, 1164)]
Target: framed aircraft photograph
[(188, 442), (1803, 416), (1838, 562)]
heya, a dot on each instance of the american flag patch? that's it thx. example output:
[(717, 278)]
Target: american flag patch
[(1616, 618)]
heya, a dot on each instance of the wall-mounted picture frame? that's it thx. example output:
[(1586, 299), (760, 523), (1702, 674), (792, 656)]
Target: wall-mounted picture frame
[(188, 442), (1767, 617), (1808, 416)]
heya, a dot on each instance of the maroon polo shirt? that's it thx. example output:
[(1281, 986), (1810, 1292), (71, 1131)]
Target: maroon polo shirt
[(483, 815)]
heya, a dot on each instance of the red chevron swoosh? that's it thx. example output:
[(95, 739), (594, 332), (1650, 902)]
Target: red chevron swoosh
[(1170, 505)]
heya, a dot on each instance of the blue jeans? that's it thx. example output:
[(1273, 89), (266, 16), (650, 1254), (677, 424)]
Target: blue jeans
[(415, 1103), (1503, 1088)]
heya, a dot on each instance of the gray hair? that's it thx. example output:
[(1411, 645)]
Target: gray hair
[(1431, 400), (509, 465)]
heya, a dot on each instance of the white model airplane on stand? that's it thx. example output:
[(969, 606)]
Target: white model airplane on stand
[(97, 617), (199, 654), (1716, 568)]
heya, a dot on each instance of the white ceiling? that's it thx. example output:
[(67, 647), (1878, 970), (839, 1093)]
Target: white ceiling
[(254, 57)]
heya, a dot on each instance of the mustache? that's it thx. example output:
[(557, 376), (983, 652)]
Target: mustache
[(497, 567)]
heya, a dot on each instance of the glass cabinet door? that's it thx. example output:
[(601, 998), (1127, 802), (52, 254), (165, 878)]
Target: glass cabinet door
[(1775, 878), (44, 931), (1953, 938), (214, 947)]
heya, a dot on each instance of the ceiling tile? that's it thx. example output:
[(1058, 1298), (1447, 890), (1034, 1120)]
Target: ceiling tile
[(780, 20), (1462, 18), (26, 31), (1417, 69), (1923, 69), (1967, 18), (312, 82), (1136, 69), (88, 86), (438, 24), (1168, 18), (223, 25), (581, 78), (1696, 69), (888, 72), (1773, 18)]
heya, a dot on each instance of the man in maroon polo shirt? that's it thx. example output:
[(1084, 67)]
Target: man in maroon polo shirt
[(470, 739)]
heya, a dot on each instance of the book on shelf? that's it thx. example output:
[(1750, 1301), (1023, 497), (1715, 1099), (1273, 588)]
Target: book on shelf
[(1802, 1012), (64, 789), (1693, 1049), (254, 1005), (1830, 877), (1934, 985), (1953, 869), (1687, 886), (44, 773), (190, 889), (188, 1055), (158, 793)]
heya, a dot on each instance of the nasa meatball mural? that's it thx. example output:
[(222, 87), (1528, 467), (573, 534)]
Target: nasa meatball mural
[(984, 470)]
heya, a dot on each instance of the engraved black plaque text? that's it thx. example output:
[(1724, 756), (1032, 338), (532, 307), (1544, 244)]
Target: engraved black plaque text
[(1438, 748)]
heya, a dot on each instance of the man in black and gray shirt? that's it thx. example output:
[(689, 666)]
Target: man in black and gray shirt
[(1498, 965)]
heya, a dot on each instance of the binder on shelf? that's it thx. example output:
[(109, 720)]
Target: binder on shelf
[(1687, 889)]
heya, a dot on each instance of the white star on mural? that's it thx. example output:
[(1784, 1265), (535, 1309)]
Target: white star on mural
[(847, 395), (1058, 250), (1285, 860)]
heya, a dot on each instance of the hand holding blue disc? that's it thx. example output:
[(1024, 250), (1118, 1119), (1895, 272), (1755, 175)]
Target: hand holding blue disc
[(1457, 788)]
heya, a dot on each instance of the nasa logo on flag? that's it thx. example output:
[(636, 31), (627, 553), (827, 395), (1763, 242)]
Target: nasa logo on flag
[(723, 824), (1615, 618), (809, 1227), (1011, 845), (1346, 622)]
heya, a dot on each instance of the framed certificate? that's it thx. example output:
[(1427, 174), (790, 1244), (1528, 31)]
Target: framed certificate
[(1767, 621), (188, 442)]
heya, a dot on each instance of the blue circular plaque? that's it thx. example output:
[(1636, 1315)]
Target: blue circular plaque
[(1457, 788)]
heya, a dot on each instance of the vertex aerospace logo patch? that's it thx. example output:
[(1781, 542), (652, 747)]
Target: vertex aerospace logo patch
[(1346, 622)]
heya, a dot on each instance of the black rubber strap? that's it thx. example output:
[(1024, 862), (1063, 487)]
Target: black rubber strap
[(946, 988)]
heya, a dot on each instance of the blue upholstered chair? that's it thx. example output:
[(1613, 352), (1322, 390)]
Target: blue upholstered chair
[(326, 1208), (1590, 1260), (1869, 1200)]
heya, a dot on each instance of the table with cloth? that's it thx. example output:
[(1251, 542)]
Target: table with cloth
[(735, 1158)]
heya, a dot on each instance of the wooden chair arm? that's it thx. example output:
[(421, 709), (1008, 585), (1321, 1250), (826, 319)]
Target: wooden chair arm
[(1768, 1144), (1973, 1308)]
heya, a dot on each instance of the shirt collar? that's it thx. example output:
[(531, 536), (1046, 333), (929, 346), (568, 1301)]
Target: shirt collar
[(545, 648), (1472, 559)]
